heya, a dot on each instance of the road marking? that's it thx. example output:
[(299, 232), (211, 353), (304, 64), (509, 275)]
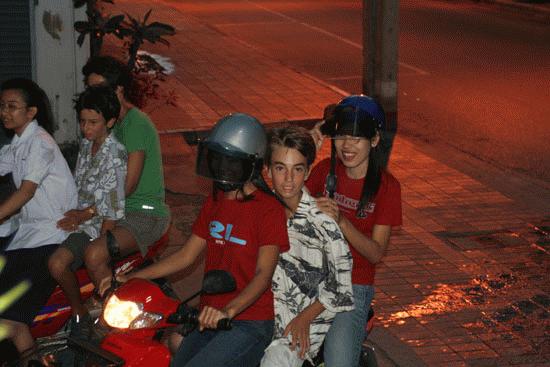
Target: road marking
[(332, 35), (414, 68), (247, 23), (353, 77)]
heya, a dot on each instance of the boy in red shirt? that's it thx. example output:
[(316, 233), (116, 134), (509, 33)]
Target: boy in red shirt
[(242, 227)]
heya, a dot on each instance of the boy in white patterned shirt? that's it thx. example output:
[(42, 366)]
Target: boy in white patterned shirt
[(100, 174), (312, 280)]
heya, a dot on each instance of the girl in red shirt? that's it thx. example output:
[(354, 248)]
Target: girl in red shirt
[(242, 227), (366, 202)]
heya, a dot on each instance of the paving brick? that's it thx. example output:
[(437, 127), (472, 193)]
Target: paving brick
[(432, 349), (477, 354), (441, 358), (424, 342)]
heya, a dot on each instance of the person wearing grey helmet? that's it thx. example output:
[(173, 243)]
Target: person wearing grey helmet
[(355, 189), (242, 227)]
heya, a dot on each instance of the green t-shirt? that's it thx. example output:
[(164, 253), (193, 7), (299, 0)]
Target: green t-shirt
[(137, 132)]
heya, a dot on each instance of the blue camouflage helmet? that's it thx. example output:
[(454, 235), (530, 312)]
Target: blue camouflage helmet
[(355, 115)]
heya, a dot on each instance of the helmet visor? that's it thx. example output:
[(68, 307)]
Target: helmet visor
[(220, 164), (349, 121)]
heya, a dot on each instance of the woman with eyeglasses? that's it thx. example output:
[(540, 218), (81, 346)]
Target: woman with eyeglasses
[(365, 200), (45, 189)]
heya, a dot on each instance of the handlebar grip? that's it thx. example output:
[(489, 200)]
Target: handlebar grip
[(224, 324)]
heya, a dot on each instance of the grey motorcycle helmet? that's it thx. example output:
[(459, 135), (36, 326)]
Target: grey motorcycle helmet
[(233, 152)]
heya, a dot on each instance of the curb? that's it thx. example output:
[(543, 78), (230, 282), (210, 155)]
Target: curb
[(538, 12), (191, 134)]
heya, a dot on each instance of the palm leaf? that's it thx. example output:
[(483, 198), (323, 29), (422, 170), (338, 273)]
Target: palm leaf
[(162, 28), (113, 23), (82, 26), (80, 39), (146, 17)]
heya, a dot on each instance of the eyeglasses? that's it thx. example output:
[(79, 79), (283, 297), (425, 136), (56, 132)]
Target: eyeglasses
[(10, 107)]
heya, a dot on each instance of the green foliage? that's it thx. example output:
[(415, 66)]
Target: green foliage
[(97, 25), (135, 32), (139, 32)]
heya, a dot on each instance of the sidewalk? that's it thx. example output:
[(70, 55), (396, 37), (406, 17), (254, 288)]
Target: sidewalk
[(465, 281)]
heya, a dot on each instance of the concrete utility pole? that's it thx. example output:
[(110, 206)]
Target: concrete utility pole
[(380, 56)]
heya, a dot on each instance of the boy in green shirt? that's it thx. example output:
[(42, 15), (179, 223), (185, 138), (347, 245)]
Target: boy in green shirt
[(147, 215)]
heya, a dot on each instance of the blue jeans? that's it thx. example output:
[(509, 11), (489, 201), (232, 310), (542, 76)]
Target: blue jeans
[(243, 345), (347, 332)]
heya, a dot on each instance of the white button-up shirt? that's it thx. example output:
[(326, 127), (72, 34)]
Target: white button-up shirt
[(34, 156)]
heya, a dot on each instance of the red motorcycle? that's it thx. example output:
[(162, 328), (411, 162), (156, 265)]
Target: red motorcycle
[(138, 314)]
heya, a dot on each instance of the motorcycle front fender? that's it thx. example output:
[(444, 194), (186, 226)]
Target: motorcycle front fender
[(137, 350)]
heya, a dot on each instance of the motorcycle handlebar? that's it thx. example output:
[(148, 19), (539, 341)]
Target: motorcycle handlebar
[(189, 317), (224, 324)]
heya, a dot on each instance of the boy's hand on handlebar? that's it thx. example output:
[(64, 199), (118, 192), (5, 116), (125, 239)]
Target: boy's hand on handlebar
[(298, 329), (209, 317), (329, 207)]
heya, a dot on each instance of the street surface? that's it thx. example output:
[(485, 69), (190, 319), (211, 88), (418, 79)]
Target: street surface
[(471, 76)]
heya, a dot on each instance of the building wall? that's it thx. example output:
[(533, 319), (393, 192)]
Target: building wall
[(58, 60)]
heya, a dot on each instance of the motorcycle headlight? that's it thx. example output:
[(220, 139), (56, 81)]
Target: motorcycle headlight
[(128, 315)]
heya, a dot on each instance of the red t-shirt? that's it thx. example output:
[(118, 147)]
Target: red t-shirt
[(384, 210), (234, 231)]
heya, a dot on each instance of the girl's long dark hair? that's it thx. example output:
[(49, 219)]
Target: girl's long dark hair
[(34, 96), (376, 167)]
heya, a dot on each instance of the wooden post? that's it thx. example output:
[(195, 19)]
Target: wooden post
[(380, 57)]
